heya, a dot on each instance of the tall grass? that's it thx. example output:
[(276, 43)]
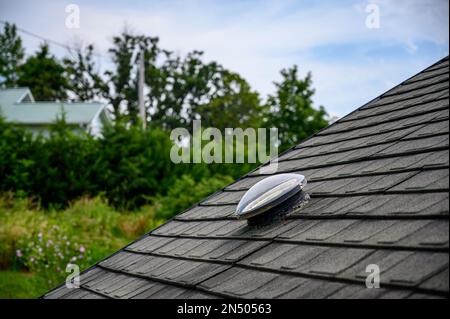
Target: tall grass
[(42, 242)]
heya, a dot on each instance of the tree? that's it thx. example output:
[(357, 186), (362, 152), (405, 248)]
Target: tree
[(11, 55), (234, 105), (178, 86), (84, 80), (291, 109), (44, 75)]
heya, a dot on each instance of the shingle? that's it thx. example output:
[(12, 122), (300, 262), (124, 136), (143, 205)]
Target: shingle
[(269, 231), (57, 293), (178, 247), (339, 205), (314, 289), (149, 244), (159, 291), (334, 261), (394, 294), (415, 85), (437, 282), (416, 268), (436, 159), (319, 231), (431, 129), (172, 270), (216, 228), (121, 260), (411, 107), (417, 92), (82, 294), (399, 230), (210, 212), (388, 165), (192, 294), (362, 230), (224, 198), (229, 250), (434, 234), (426, 75), (106, 277), (194, 272), (284, 256), (173, 228), (245, 183), (416, 145), (197, 227), (426, 180), (90, 295), (276, 287), (413, 233), (403, 204), (133, 288), (384, 259), (113, 281), (366, 293)]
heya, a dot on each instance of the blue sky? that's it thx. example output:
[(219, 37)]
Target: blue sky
[(350, 63)]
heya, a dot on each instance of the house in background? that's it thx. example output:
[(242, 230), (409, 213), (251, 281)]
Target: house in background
[(17, 105)]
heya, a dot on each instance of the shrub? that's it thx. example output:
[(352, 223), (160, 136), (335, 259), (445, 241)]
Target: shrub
[(44, 242), (186, 192)]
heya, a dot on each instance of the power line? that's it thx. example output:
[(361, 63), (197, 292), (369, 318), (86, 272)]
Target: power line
[(64, 46)]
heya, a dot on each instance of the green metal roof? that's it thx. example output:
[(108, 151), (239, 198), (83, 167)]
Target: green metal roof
[(44, 112)]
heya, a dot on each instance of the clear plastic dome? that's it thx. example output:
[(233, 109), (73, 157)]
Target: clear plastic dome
[(268, 193)]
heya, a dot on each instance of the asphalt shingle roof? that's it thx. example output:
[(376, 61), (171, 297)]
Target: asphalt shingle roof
[(378, 181), (37, 113)]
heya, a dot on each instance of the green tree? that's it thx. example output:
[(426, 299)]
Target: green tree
[(291, 109), (84, 80), (234, 104), (11, 55), (178, 86), (44, 75)]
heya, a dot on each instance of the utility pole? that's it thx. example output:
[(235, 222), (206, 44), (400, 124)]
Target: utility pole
[(142, 112)]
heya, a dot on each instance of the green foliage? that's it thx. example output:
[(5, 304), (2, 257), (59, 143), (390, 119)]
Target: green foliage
[(186, 191), (44, 242), (291, 109), (180, 88), (134, 165), (21, 285), (128, 165), (44, 75), (235, 105), (83, 80), (11, 55)]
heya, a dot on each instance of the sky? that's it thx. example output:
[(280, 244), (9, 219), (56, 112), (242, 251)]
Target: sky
[(352, 55)]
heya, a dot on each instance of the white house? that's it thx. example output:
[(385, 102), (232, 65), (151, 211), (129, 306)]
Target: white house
[(17, 105)]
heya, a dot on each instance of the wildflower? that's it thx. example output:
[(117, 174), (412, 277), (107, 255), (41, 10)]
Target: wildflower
[(19, 253), (74, 258), (82, 250), (40, 236)]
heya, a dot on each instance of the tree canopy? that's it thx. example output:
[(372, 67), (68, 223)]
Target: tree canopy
[(179, 88)]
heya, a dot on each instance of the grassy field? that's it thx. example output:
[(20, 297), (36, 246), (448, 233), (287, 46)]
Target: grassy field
[(36, 245), (15, 284)]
